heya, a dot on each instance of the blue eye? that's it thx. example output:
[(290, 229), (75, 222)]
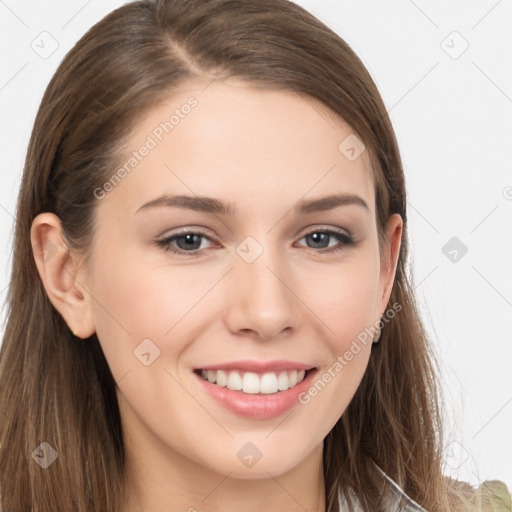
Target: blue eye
[(323, 236), (190, 242)]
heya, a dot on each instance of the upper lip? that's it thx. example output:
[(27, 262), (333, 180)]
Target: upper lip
[(258, 366)]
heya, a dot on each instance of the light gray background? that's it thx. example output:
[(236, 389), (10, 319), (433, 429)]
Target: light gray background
[(451, 108)]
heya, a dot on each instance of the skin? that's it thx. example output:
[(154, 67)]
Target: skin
[(264, 151)]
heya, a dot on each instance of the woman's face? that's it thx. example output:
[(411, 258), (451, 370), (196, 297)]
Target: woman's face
[(271, 277)]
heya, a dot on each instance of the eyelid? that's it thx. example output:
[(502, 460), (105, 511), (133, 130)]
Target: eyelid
[(345, 240), (197, 230), (165, 241), (313, 228)]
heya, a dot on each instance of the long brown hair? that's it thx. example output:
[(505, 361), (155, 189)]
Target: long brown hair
[(59, 390)]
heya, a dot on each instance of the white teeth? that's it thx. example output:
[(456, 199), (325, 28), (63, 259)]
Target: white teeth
[(268, 383), (253, 383), (250, 383), (234, 381), (222, 379), (283, 382)]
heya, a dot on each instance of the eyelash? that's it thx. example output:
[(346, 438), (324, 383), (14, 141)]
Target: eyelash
[(346, 241)]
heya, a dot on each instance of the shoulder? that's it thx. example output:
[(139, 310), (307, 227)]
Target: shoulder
[(489, 495), (395, 499), (398, 500)]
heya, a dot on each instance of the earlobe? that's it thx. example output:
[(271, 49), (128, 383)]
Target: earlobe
[(58, 269)]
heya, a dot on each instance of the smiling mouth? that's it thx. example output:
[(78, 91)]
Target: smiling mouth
[(254, 383)]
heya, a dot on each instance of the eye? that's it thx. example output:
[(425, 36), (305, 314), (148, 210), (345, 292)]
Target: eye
[(190, 242), (320, 240)]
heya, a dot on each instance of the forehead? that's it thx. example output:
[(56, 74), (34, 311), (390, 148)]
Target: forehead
[(230, 139)]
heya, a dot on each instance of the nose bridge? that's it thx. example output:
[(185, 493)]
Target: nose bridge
[(261, 296)]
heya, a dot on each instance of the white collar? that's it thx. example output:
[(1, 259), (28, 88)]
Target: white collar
[(391, 499)]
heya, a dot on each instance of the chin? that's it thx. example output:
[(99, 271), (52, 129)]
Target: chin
[(249, 463)]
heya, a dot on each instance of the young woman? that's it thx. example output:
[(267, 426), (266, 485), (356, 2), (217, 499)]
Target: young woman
[(209, 306)]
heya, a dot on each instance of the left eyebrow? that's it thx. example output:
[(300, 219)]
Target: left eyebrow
[(329, 202), (216, 206)]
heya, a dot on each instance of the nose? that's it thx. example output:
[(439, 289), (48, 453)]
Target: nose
[(260, 297)]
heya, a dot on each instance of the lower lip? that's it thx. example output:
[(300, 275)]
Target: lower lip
[(256, 405)]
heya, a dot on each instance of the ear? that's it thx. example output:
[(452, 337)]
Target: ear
[(59, 270), (389, 260)]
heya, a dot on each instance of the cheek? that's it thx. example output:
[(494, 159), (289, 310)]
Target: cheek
[(344, 298), (345, 304), (136, 301)]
